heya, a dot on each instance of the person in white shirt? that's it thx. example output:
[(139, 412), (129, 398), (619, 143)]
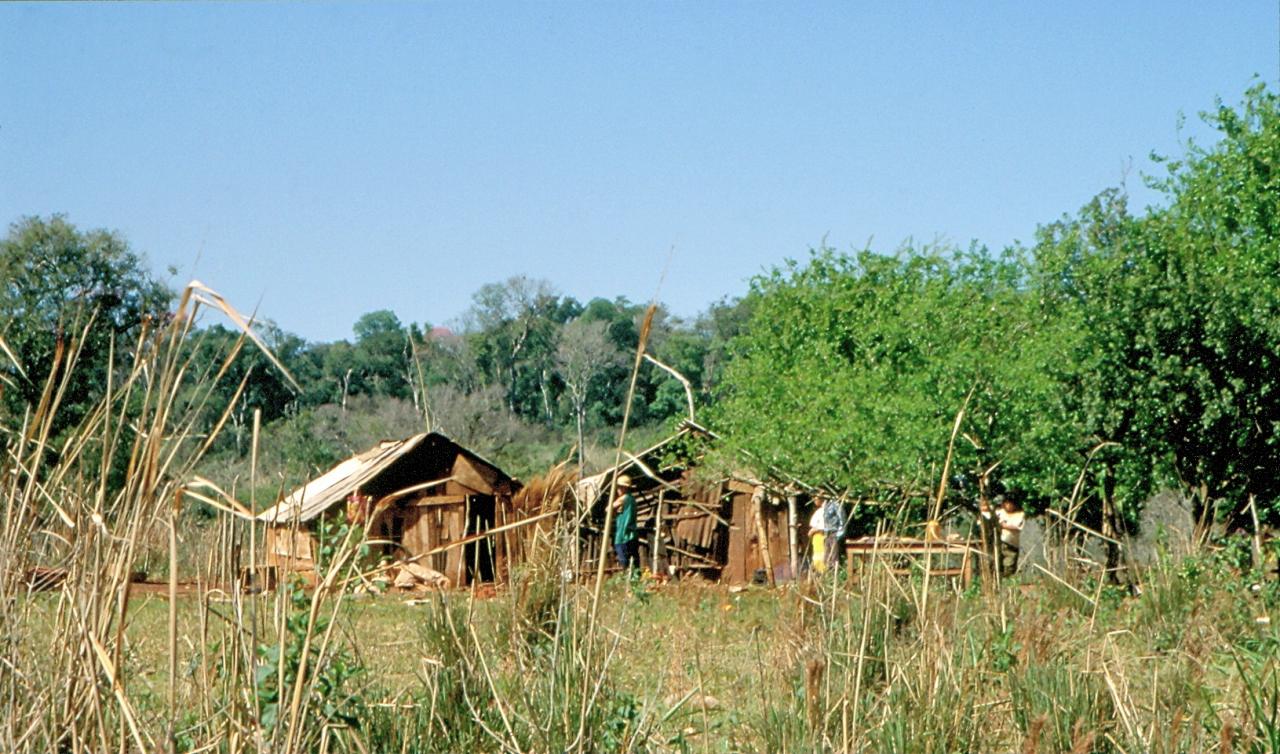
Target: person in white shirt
[(1010, 517)]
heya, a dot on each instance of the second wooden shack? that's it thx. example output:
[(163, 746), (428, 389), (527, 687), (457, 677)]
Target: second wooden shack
[(729, 528)]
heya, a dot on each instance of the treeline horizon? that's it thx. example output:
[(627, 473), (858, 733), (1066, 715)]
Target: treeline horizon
[(1117, 354)]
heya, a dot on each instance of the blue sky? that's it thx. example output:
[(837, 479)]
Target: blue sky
[(329, 159)]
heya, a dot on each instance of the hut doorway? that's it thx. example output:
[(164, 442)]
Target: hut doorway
[(478, 554), (390, 532)]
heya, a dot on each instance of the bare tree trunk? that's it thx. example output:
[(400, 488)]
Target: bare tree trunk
[(511, 388), (1258, 564), (991, 565), (991, 543), (579, 410), (657, 530), (1109, 528), (546, 396), (237, 423), (346, 388), (516, 348)]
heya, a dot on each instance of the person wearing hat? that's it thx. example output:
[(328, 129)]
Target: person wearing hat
[(626, 543)]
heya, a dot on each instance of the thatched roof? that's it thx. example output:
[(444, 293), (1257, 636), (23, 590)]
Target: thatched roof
[(639, 466)]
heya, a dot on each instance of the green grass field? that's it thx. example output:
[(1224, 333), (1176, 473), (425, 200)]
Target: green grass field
[(1186, 665)]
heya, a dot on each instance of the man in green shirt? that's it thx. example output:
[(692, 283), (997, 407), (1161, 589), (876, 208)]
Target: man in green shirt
[(625, 538)]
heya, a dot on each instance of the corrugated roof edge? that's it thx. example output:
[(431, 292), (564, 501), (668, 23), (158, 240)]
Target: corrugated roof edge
[(304, 504)]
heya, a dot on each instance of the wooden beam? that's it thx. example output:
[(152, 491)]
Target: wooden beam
[(691, 554), (430, 500), (458, 543), (386, 500)]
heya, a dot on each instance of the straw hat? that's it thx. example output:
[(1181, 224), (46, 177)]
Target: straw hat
[(624, 481)]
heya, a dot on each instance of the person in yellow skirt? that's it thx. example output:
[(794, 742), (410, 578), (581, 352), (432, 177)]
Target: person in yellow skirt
[(826, 534)]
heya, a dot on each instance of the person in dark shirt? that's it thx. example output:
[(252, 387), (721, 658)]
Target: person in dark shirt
[(626, 543)]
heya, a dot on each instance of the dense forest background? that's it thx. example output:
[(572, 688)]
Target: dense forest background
[(1120, 352)]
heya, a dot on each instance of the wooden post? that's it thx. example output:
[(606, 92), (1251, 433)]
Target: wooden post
[(793, 545), (1258, 565), (461, 578), (757, 500), (657, 530)]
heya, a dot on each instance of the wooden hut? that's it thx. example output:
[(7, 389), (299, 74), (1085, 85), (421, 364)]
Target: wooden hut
[(430, 498), (731, 528)]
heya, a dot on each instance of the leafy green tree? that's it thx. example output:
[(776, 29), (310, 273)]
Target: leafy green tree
[(853, 368), (378, 364), (622, 325), (1089, 281), (1178, 318), (341, 374), (265, 388), (723, 321), (698, 350), (60, 285), (513, 327), (1220, 240), (447, 358), (684, 350), (383, 355), (1141, 349)]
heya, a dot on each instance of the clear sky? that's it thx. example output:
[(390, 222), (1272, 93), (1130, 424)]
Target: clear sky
[(328, 159)]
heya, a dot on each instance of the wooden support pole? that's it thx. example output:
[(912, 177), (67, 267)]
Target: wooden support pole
[(657, 531), (793, 544), (1110, 531), (1258, 565), (757, 505)]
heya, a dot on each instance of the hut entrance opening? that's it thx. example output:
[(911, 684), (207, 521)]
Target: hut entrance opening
[(390, 532), (478, 554)]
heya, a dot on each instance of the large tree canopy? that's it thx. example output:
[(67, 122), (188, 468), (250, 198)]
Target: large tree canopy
[(1139, 350), (854, 367), (62, 285)]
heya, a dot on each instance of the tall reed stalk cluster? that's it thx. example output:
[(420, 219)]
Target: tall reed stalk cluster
[(1182, 661)]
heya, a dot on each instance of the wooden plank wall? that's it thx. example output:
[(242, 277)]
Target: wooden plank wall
[(435, 525), (747, 557), (696, 530), (474, 476), (710, 531), (291, 550)]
